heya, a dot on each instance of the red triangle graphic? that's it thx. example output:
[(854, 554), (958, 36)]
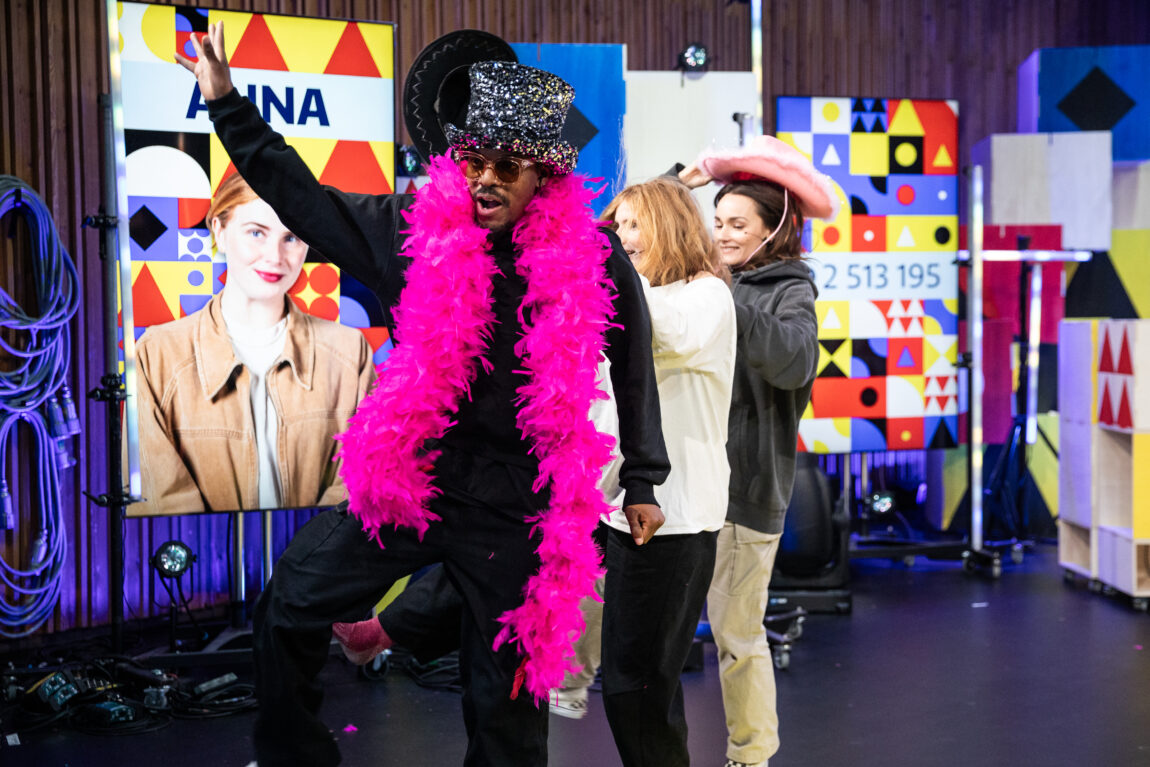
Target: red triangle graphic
[(1105, 410), (376, 337), (227, 172), (192, 211), (943, 402), (1106, 360), (257, 48), (884, 307), (351, 55), (802, 445), (148, 304), (352, 168), (1125, 366), (1125, 419)]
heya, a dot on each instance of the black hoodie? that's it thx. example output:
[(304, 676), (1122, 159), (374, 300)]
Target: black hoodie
[(777, 354)]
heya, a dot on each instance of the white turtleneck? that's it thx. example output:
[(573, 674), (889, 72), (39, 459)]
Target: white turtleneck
[(257, 349)]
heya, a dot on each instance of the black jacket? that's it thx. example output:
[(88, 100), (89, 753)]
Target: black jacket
[(777, 353), (362, 235)]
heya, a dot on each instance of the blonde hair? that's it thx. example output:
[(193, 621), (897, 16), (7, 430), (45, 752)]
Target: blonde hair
[(230, 194), (677, 242)]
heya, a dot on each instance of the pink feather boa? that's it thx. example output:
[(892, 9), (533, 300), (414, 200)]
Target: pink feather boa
[(568, 302)]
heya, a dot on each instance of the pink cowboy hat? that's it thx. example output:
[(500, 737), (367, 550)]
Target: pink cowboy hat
[(765, 157)]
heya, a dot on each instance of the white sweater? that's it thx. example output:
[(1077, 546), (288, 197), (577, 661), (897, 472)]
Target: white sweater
[(693, 340)]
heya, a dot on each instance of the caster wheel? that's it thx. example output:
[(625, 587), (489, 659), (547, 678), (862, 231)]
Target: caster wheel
[(908, 560), (1095, 587), (376, 669), (968, 565), (1068, 576), (1016, 555), (996, 569), (1140, 604), (782, 660), (795, 631)]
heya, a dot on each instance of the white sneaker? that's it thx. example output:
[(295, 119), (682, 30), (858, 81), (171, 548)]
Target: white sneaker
[(569, 703)]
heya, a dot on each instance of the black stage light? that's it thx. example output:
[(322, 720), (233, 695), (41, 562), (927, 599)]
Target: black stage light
[(693, 58), (408, 161), (881, 502), (173, 559)]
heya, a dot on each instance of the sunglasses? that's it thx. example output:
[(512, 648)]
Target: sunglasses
[(507, 169)]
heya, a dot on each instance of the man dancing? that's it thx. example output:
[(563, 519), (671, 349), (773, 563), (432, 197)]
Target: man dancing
[(475, 448)]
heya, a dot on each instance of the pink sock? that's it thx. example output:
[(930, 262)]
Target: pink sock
[(361, 641)]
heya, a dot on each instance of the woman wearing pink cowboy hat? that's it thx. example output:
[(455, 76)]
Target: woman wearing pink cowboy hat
[(769, 188)]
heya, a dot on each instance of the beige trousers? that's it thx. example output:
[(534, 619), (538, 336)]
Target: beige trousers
[(588, 648), (736, 605)]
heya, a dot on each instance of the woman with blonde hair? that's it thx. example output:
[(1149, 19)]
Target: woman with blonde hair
[(653, 594)]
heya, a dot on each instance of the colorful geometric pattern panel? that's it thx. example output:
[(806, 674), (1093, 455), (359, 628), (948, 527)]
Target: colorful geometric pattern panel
[(1123, 375), (595, 119), (1089, 89), (888, 288), (326, 85)]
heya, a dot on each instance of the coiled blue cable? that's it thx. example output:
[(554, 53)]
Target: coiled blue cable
[(42, 351)]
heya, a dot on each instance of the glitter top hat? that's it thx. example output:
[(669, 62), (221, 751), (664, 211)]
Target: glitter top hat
[(517, 109)]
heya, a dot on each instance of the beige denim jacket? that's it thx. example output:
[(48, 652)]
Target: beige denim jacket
[(197, 440)]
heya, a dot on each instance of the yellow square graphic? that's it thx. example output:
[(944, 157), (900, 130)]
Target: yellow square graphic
[(870, 154)]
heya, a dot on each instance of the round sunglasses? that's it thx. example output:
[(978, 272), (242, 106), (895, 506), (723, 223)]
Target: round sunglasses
[(507, 168)]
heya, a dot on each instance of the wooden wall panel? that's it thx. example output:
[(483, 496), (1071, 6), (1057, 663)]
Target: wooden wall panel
[(53, 66), (967, 50)]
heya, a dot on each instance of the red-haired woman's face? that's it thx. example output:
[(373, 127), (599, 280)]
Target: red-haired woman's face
[(264, 258), (627, 227)]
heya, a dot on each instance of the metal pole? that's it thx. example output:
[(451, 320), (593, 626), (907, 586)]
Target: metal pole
[(974, 325), (266, 520)]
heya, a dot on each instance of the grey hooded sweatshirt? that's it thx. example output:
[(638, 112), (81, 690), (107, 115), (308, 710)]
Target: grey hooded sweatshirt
[(777, 352)]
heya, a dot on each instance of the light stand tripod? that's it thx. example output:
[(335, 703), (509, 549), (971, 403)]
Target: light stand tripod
[(1007, 485)]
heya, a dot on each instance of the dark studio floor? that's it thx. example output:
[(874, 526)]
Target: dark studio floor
[(934, 667)]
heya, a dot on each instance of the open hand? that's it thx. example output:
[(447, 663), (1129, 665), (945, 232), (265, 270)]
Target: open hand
[(644, 519), (694, 177), (211, 66)]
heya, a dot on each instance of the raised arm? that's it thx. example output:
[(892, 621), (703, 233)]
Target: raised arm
[(686, 326), (359, 233), (780, 343)]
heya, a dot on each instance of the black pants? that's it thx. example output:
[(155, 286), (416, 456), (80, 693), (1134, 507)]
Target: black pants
[(652, 601), (332, 572)]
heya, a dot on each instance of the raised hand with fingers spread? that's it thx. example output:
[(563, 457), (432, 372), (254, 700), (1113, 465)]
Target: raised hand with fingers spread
[(211, 64)]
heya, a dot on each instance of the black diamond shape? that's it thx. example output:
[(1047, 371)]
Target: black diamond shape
[(578, 130), (145, 228), (1096, 103)]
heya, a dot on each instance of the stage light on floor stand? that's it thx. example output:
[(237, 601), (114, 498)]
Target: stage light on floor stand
[(171, 560)]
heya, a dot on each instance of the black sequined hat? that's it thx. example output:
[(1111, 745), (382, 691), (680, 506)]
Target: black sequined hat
[(437, 89), (518, 109)]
